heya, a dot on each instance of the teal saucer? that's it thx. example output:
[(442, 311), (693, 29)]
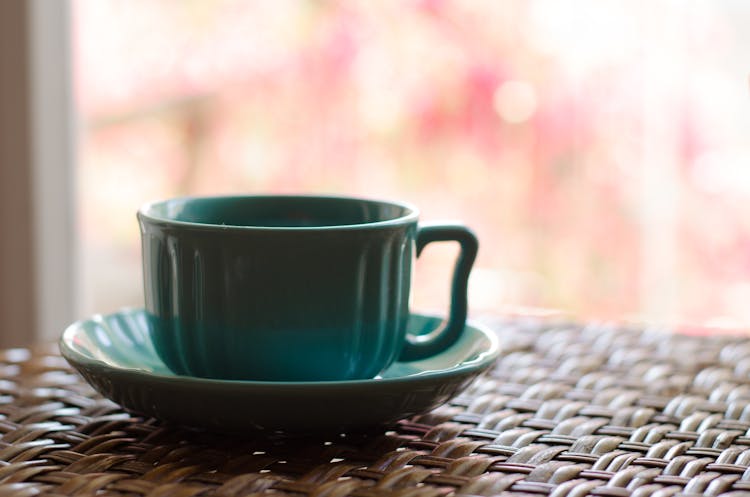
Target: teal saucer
[(115, 354)]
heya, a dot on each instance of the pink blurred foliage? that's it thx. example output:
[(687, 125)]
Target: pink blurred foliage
[(277, 97)]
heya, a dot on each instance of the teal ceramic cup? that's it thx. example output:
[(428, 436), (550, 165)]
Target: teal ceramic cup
[(290, 288)]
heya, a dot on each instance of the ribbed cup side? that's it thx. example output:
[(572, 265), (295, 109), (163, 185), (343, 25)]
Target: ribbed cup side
[(279, 309)]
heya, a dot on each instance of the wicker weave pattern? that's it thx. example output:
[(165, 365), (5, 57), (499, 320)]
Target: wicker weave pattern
[(569, 410)]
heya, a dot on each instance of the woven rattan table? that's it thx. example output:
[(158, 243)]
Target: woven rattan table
[(568, 410)]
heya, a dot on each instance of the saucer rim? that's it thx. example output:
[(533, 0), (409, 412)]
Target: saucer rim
[(485, 358)]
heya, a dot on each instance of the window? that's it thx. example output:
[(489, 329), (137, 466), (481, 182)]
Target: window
[(599, 148)]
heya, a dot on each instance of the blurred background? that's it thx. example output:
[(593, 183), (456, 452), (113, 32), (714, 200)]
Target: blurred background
[(599, 148)]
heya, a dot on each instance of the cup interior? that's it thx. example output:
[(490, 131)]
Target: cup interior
[(277, 211)]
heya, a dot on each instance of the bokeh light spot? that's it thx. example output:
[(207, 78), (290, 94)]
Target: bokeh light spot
[(515, 101)]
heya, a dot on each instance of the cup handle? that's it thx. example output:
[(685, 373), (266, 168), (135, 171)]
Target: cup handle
[(446, 334)]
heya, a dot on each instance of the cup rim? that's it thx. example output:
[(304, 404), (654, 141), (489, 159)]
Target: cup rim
[(146, 213)]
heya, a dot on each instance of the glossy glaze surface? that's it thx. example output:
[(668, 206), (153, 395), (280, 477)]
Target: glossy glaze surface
[(288, 288), (116, 355)]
